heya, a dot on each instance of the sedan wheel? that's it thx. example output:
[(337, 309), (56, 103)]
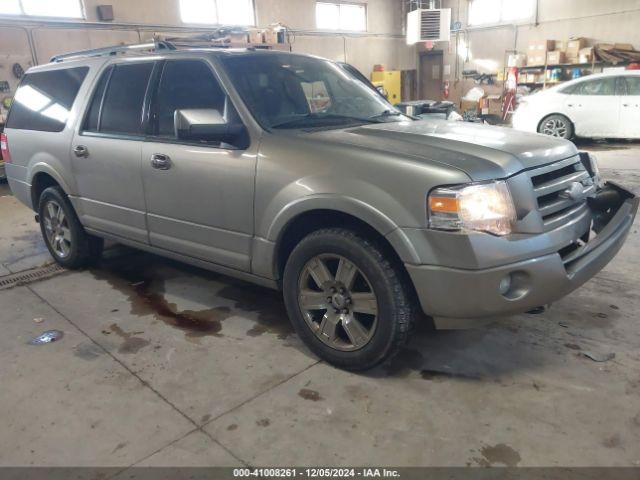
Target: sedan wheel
[(556, 126), (337, 302)]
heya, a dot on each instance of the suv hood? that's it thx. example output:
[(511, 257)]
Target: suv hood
[(483, 152)]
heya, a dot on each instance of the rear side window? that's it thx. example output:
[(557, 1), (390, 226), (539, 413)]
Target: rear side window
[(599, 87), (186, 84), (633, 85), (91, 122), (122, 108), (44, 99), (116, 105)]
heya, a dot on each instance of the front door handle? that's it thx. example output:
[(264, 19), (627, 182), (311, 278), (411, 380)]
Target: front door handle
[(81, 151), (160, 161)]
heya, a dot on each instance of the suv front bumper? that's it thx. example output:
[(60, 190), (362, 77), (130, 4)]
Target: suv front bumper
[(458, 293)]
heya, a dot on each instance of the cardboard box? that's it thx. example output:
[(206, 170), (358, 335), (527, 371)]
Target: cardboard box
[(270, 36), (541, 46), (555, 58), (586, 55), (561, 46), (238, 37), (491, 105), (255, 36), (536, 59), (530, 78), (574, 47), (517, 60), (468, 105)]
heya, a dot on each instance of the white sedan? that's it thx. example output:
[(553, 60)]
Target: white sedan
[(605, 105)]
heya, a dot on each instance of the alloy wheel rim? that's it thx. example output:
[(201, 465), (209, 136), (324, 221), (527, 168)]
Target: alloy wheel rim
[(56, 227), (337, 302), (555, 127)]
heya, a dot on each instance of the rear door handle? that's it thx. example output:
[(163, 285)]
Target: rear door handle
[(81, 151), (160, 161)]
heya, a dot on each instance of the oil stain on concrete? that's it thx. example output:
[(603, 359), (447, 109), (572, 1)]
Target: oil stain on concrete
[(500, 454), (309, 394), (144, 287), (146, 297), (131, 343)]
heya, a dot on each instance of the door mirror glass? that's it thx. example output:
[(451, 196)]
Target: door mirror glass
[(205, 125)]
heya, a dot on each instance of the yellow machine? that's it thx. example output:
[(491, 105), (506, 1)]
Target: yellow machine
[(391, 83)]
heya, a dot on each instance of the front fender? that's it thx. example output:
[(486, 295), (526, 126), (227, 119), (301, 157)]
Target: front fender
[(264, 261)]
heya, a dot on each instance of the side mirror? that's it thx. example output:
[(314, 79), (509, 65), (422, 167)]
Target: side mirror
[(205, 124)]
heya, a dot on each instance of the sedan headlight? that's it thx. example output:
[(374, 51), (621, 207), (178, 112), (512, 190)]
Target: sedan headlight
[(485, 207)]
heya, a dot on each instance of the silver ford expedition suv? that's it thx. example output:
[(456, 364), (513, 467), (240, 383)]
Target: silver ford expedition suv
[(288, 171)]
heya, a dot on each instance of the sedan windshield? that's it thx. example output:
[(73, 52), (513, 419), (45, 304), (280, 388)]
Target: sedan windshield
[(290, 91)]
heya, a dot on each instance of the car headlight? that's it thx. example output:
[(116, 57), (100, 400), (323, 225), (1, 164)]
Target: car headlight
[(485, 207)]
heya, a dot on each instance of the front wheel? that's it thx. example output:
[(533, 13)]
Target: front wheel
[(348, 302), (556, 126), (67, 241)]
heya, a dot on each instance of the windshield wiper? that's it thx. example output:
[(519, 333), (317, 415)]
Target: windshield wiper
[(386, 113), (316, 116)]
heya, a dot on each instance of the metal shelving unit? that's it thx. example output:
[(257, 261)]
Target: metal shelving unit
[(543, 69)]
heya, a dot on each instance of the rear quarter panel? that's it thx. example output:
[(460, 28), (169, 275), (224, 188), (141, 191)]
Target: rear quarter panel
[(34, 151)]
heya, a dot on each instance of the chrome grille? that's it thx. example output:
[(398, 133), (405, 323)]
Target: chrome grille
[(550, 186)]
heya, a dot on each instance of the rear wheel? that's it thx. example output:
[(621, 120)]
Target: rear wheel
[(556, 126), (67, 241), (348, 303)]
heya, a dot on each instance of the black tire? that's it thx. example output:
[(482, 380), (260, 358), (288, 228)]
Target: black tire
[(395, 300), (556, 125), (84, 249)]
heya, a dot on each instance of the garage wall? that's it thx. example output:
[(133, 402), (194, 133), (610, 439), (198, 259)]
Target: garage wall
[(599, 21), (136, 21)]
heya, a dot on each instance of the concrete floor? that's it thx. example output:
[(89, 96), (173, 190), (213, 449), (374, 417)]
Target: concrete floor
[(164, 364)]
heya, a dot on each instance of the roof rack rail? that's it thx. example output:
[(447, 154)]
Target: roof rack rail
[(153, 46)]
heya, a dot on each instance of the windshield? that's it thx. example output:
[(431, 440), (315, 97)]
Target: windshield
[(291, 91)]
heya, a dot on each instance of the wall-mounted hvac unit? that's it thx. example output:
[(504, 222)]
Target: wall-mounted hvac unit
[(433, 25)]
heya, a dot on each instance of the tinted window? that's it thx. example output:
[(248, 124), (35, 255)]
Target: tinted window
[(633, 85), (122, 108), (186, 84), (91, 121), (602, 86), (44, 99)]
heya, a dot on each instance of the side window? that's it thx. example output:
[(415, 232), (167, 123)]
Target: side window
[(44, 99), (633, 85), (91, 120), (186, 84), (122, 106), (599, 87)]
